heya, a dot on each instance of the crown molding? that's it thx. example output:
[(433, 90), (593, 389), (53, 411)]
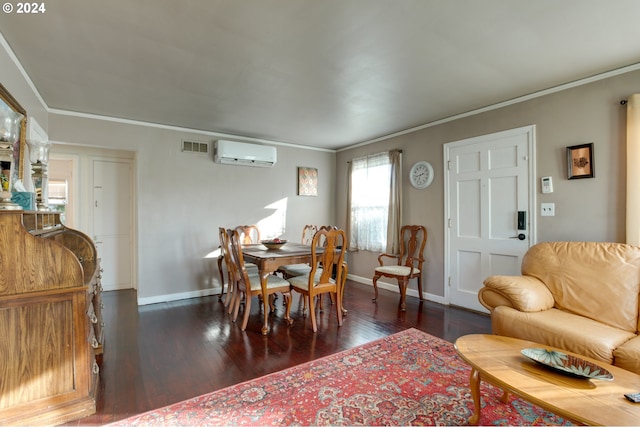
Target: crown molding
[(559, 88)]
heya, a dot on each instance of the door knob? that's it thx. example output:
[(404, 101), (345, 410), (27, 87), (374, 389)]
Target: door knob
[(520, 236)]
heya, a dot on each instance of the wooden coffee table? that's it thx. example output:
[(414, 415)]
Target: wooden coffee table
[(498, 360)]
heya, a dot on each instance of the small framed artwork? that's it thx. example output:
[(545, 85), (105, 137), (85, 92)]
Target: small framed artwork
[(307, 181), (580, 161)]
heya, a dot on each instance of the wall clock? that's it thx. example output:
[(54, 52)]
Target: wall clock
[(421, 174)]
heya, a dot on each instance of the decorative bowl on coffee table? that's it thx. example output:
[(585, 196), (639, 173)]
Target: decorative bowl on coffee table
[(567, 363)]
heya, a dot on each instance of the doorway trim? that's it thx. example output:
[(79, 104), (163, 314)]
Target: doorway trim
[(530, 131)]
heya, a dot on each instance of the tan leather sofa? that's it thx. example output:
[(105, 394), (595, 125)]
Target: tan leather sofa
[(580, 296)]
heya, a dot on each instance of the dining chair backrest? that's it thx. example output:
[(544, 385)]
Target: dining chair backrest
[(222, 235), (413, 239), (248, 234), (235, 243), (307, 233), (330, 260), (326, 228), (227, 254)]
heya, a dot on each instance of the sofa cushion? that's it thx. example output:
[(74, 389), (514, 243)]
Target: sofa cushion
[(600, 281), (560, 329), (627, 356)]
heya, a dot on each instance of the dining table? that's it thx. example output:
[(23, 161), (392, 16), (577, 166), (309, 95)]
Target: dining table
[(269, 260)]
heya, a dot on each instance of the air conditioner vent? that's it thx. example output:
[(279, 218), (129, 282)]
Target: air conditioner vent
[(195, 147)]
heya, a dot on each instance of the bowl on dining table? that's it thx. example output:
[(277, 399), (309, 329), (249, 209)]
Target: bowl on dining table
[(273, 244)]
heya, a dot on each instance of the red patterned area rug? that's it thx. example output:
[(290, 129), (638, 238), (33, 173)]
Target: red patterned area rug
[(409, 378)]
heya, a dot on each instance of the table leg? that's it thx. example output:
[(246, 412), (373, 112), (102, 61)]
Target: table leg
[(505, 397), (474, 384)]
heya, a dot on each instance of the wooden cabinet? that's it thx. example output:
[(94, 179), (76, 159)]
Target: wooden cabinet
[(51, 326)]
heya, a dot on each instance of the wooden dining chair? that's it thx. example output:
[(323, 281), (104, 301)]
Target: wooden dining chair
[(248, 234), (294, 270), (308, 232), (224, 258), (249, 284), (327, 271), (408, 265)]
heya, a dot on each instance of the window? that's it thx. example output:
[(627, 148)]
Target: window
[(370, 186), (57, 197)]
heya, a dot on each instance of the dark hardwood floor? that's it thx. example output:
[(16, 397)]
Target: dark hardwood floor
[(160, 354)]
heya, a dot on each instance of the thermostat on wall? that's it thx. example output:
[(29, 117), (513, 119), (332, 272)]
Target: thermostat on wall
[(547, 184)]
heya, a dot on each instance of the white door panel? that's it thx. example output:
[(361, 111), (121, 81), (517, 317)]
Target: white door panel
[(112, 221), (116, 267), (488, 182)]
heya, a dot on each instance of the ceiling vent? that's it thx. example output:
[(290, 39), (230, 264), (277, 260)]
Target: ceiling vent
[(195, 147), (243, 154)]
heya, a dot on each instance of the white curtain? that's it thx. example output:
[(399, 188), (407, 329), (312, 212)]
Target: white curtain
[(633, 171), (369, 202)]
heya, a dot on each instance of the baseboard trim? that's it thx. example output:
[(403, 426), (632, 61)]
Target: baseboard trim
[(393, 287), (179, 296)]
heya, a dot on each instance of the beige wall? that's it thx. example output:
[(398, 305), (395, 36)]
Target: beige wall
[(586, 209), (182, 198), (12, 80)]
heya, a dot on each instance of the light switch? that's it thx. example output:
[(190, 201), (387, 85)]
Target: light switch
[(547, 209)]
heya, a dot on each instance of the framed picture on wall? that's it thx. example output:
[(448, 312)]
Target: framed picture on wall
[(307, 181), (580, 161)]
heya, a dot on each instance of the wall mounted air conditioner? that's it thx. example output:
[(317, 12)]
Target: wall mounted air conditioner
[(244, 154)]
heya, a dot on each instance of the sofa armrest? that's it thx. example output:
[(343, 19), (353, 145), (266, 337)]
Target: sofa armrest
[(524, 293)]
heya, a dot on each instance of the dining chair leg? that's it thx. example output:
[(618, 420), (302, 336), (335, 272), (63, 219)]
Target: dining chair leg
[(304, 309), (247, 311), (235, 304), (320, 305), (312, 312), (343, 283), (231, 305), (265, 304), (287, 301), (403, 294), (338, 306), (420, 287), (375, 286), (230, 293), (220, 259)]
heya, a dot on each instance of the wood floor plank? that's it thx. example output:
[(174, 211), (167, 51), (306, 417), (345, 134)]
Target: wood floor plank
[(163, 353)]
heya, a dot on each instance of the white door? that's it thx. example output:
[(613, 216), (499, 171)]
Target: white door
[(489, 215), (112, 220)]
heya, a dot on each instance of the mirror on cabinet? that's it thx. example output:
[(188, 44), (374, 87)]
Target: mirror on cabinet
[(13, 130)]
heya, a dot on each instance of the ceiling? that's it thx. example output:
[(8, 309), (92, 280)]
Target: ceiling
[(322, 73)]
